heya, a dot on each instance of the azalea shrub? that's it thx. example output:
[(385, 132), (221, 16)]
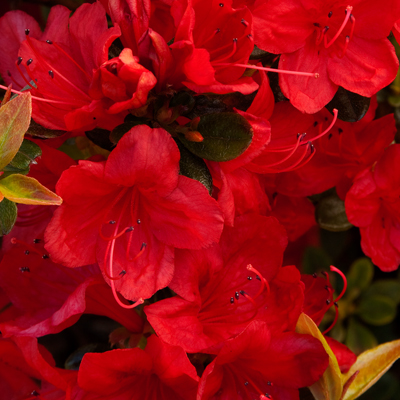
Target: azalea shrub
[(211, 185)]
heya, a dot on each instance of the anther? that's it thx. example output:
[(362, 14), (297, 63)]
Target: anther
[(232, 300), (143, 246), (244, 22), (246, 383), (49, 41), (221, 4), (314, 275), (250, 36), (25, 269), (139, 221), (19, 60), (112, 222), (235, 39), (51, 73), (36, 240), (330, 136), (27, 31), (315, 124), (335, 304), (270, 383), (35, 393), (29, 62), (122, 273), (130, 229), (237, 295), (330, 14), (45, 256), (27, 252), (328, 302), (249, 278)]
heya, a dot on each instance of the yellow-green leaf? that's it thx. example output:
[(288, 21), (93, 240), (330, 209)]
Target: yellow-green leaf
[(15, 117), (372, 364), (329, 386), (23, 189)]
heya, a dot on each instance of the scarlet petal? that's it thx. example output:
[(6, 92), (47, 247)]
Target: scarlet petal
[(368, 66)]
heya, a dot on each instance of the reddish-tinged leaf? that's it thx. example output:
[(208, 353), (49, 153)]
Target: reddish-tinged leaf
[(23, 189), (372, 364), (15, 117), (329, 386)]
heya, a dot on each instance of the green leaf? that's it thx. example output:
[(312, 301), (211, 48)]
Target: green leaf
[(8, 216), (24, 157), (226, 136), (23, 189), (194, 167), (39, 131), (359, 276), (385, 287), (15, 117), (371, 364), (377, 310), (351, 106), (329, 386), (330, 214), (359, 338)]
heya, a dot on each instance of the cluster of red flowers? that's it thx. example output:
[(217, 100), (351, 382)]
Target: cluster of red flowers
[(178, 231)]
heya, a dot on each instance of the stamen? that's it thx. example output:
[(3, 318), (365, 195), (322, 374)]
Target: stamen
[(68, 56), (14, 240), (17, 64), (40, 98), (334, 321), (25, 269), (226, 57), (322, 35), (48, 67), (334, 269), (279, 71), (264, 282), (244, 22), (335, 114), (330, 14), (348, 14)]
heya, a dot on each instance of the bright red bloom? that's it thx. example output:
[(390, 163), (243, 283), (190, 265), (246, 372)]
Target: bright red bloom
[(28, 370), (345, 357), (208, 35), (345, 44), (339, 155), (373, 204), (159, 372), (129, 213), (259, 364), (218, 296), (63, 68)]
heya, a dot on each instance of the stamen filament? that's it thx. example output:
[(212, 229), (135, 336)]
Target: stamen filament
[(334, 269), (348, 14), (335, 114), (279, 71)]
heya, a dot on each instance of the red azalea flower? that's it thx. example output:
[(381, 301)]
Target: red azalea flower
[(63, 67), (263, 365), (130, 212), (208, 36), (159, 372), (373, 204), (28, 371), (345, 44), (218, 296), (347, 149)]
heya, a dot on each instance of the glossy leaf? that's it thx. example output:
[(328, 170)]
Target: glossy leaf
[(15, 117), (226, 136), (385, 287), (329, 386), (8, 216), (39, 131), (26, 155), (351, 106), (377, 310), (23, 189), (330, 214), (194, 167), (359, 276), (359, 338), (371, 364)]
